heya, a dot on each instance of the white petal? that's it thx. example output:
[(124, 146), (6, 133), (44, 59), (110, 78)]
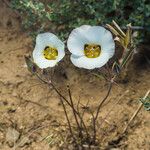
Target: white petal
[(108, 48), (39, 59), (90, 63), (107, 43), (49, 39), (90, 35), (59, 45), (61, 52), (95, 34), (77, 40), (46, 39), (43, 40)]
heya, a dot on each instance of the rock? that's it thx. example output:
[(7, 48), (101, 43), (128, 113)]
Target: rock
[(24, 141), (12, 136)]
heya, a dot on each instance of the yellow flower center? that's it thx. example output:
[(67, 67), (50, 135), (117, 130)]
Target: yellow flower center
[(92, 50), (50, 53)]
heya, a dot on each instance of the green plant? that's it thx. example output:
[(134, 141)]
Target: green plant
[(84, 132), (67, 14), (146, 103), (34, 15)]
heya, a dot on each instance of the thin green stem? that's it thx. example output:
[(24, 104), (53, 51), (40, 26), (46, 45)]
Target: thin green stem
[(98, 110), (75, 115), (69, 124), (57, 91)]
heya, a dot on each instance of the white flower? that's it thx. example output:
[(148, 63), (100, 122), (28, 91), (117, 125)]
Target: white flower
[(48, 51), (91, 46)]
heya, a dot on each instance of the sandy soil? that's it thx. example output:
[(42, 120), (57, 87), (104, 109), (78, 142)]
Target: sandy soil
[(32, 108)]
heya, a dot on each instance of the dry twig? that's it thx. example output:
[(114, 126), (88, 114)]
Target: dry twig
[(136, 112)]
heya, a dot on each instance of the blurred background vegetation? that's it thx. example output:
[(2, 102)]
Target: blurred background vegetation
[(61, 16)]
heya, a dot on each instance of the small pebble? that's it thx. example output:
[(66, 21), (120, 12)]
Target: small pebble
[(12, 136)]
